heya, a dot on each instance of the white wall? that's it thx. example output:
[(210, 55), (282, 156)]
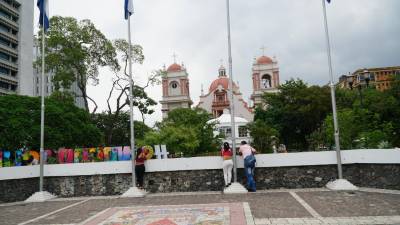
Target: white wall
[(372, 156)]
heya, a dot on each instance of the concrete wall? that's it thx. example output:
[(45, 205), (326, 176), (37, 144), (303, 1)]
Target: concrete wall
[(366, 168), (25, 48)]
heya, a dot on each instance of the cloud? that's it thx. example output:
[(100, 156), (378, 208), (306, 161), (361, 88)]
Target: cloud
[(364, 33)]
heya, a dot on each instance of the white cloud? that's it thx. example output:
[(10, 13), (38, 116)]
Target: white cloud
[(364, 33)]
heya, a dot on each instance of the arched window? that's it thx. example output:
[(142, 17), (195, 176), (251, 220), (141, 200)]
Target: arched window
[(266, 81), (220, 96), (174, 88)]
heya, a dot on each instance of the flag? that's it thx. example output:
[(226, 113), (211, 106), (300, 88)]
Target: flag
[(44, 12), (128, 8), (329, 1)]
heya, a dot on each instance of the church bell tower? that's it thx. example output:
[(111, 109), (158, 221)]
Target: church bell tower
[(175, 86), (265, 74)]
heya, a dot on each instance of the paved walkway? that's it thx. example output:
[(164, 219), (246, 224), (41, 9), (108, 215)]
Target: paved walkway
[(295, 206)]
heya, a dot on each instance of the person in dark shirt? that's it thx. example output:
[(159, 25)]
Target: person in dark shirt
[(141, 156)]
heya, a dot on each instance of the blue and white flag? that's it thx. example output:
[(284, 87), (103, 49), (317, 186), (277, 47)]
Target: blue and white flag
[(44, 14), (329, 1), (128, 8)]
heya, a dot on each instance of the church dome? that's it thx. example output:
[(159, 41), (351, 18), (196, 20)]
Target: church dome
[(174, 68), (223, 81), (264, 60)]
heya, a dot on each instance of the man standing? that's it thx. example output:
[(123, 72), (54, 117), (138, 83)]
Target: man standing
[(249, 164)]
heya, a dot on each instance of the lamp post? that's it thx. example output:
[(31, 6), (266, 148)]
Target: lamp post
[(365, 75)]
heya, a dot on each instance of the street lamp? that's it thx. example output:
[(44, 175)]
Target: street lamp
[(365, 75)]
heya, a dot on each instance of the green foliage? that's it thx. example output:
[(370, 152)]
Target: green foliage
[(367, 125), (263, 136), (302, 115), (295, 112), (186, 131), (74, 52), (116, 128), (65, 124)]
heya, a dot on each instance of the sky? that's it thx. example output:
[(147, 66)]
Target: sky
[(363, 34)]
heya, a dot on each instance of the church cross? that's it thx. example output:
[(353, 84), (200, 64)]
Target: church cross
[(263, 48), (174, 56)]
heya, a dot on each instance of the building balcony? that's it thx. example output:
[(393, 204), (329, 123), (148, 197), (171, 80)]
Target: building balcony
[(9, 22), (11, 37), (6, 91), (8, 78), (220, 104), (9, 8), (9, 65), (9, 50)]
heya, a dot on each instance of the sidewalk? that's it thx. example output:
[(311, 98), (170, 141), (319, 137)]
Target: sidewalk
[(294, 206)]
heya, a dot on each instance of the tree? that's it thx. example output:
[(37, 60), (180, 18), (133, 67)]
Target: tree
[(295, 112), (186, 131), (65, 124), (195, 119), (119, 94), (119, 134), (263, 136), (74, 52)]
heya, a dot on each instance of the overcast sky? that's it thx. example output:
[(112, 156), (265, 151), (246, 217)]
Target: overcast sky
[(364, 33)]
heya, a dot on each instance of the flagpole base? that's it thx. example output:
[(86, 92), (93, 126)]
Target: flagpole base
[(235, 188), (341, 185), (133, 192), (40, 196)]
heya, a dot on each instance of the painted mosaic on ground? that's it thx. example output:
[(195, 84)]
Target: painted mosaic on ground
[(211, 214)]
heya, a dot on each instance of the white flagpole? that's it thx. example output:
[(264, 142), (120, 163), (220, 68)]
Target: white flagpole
[(233, 133), (335, 122), (42, 195), (42, 110), (132, 191), (338, 184), (235, 187), (131, 105)]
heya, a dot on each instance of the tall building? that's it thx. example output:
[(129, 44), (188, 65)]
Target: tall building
[(175, 86), (381, 78), (217, 99), (265, 74), (16, 42), (49, 85)]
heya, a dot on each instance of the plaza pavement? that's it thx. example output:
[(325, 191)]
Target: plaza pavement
[(283, 206)]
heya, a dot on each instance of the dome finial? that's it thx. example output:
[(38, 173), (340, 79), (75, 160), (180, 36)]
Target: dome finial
[(221, 70), (263, 48), (174, 56)]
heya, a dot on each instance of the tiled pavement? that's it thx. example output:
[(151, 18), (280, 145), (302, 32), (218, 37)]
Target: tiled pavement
[(295, 206)]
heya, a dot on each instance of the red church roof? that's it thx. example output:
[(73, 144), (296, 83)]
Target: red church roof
[(223, 81), (174, 68), (264, 60)]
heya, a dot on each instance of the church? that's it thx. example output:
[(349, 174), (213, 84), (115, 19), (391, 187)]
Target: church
[(176, 94)]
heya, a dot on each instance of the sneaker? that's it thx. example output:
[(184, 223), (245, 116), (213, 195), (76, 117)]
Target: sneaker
[(226, 185)]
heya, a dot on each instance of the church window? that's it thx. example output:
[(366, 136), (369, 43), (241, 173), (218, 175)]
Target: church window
[(228, 132), (225, 131), (242, 131), (173, 88), (266, 81)]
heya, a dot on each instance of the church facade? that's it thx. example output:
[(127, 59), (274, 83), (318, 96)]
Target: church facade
[(175, 84), (218, 98)]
